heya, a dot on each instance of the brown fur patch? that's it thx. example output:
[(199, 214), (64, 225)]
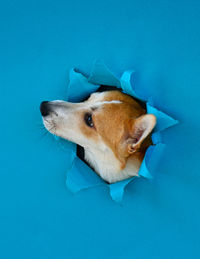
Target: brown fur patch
[(114, 123)]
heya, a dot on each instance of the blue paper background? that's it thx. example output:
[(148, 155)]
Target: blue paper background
[(40, 42)]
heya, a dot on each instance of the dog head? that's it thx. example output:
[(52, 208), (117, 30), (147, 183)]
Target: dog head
[(108, 119)]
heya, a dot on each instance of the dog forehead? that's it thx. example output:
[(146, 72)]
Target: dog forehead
[(97, 97), (115, 104), (111, 96), (98, 100)]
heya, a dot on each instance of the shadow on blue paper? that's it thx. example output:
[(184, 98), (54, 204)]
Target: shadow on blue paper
[(79, 175)]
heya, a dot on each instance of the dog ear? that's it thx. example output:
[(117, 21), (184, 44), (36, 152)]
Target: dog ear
[(141, 128)]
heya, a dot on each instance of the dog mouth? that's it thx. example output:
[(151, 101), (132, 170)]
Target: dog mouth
[(50, 125)]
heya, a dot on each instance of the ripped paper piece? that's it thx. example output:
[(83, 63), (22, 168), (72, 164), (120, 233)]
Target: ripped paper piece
[(79, 175), (117, 189), (101, 75), (79, 87), (126, 85), (164, 121)]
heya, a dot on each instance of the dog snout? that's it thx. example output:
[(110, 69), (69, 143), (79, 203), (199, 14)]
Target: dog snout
[(45, 108)]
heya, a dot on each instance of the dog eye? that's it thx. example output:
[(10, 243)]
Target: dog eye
[(88, 120)]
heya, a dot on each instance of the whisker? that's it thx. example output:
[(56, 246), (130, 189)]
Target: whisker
[(46, 132)]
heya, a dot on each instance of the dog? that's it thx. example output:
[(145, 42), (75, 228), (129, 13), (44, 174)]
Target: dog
[(111, 126)]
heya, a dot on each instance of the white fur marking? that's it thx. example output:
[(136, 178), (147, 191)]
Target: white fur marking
[(107, 102)]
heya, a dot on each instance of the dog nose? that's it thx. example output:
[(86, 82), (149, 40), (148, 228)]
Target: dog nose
[(44, 108)]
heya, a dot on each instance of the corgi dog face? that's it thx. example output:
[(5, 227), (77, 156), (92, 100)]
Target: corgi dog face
[(112, 127)]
